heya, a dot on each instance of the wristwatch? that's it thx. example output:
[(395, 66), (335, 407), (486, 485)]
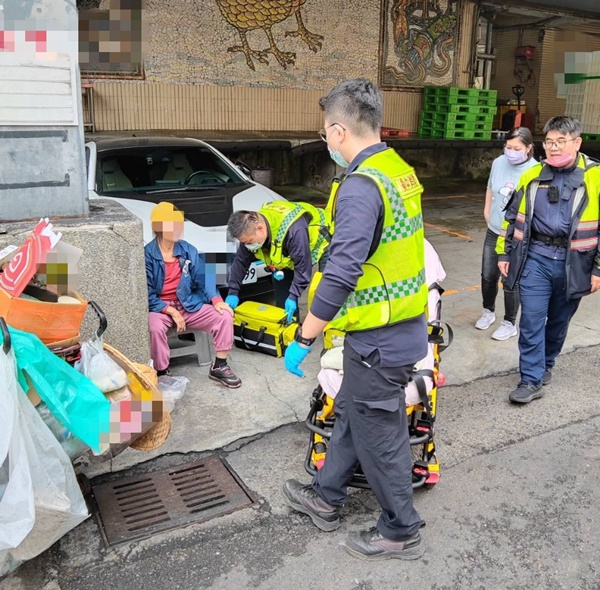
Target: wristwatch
[(299, 338)]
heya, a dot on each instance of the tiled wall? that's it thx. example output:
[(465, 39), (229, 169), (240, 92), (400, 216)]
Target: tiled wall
[(198, 78)]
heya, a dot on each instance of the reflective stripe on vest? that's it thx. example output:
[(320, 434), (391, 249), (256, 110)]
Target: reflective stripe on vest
[(281, 215), (322, 242), (392, 287), (584, 233), (379, 293), (287, 221)]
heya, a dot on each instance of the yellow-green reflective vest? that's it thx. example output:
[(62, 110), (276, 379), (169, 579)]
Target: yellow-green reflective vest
[(280, 215), (392, 287), (585, 236)]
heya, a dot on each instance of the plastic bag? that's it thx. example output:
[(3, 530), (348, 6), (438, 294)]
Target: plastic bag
[(99, 368), (70, 444), (41, 500), (71, 397), (172, 389)]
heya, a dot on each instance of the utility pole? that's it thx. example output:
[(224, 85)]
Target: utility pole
[(42, 160)]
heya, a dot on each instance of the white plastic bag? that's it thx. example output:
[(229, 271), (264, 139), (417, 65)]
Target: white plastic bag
[(172, 389), (41, 501), (99, 368)]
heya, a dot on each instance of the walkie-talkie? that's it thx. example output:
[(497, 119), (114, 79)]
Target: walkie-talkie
[(553, 194)]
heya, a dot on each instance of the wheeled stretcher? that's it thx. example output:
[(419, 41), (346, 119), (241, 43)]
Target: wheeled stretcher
[(421, 392)]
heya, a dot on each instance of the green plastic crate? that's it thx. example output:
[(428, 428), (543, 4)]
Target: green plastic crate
[(475, 117), (489, 94), (433, 116), (468, 126), (488, 109), (461, 108), (428, 129), (443, 91), (457, 91), (590, 136), (458, 100), (461, 99), (467, 134)]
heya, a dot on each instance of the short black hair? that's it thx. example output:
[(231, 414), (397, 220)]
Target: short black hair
[(564, 125), (356, 104)]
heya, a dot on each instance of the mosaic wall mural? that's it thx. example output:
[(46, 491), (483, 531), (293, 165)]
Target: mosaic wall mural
[(418, 43), (252, 15), (305, 44)]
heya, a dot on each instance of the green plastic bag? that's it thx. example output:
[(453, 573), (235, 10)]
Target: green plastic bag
[(71, 397)]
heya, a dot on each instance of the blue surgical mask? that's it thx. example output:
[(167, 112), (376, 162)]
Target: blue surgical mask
[(338, 158), (515, 157), (254, 246)]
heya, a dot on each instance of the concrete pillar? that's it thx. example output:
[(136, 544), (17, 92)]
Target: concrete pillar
[(112, 269)]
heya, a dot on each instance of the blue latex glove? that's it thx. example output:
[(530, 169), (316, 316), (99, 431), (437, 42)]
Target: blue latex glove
[(294, 355), (290, 308), (232, 300)]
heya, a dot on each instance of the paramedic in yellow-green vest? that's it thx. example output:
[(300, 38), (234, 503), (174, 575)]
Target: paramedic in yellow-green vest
[(549, 247), (287, 237), (374, 287)]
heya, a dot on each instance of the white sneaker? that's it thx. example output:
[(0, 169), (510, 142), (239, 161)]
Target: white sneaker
[(505, 331), (486, 320)]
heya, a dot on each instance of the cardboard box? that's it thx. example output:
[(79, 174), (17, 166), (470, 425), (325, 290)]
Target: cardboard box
[(48, 320)]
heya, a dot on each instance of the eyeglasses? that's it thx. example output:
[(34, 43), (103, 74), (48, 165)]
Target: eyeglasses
[(323, 132), (559, 143)]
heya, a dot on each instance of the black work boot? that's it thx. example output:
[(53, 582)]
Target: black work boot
[(525, 393), (304, 499), (372, 546)]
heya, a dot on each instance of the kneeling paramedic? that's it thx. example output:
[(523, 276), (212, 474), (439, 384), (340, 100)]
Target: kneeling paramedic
[(287, 238), (374, 286)]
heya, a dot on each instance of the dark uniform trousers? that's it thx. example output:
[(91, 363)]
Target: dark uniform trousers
[(281, 289), (371, 430)]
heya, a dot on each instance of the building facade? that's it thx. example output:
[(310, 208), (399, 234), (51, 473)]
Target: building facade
[(261, 65)]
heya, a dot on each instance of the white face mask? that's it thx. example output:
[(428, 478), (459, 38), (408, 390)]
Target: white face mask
[(254, 246)]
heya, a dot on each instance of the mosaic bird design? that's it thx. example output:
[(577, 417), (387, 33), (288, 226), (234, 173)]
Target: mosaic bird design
[(250, 15)]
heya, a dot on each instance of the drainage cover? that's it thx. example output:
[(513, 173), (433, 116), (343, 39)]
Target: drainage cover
[(140, 506)]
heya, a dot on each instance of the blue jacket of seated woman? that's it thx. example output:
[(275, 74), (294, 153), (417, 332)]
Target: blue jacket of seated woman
[(196, 288)]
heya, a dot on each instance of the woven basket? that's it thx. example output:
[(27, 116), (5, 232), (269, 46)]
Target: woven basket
[(156, 436)]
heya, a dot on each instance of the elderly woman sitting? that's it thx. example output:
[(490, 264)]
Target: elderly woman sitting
[(179, 296)]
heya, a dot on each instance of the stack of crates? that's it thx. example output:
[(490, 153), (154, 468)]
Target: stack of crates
[(457, 113)]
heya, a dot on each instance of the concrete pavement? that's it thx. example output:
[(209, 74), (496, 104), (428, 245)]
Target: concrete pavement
[(210, 416), (517, 505)]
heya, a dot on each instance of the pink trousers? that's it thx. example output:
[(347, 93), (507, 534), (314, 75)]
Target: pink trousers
[(207, 319)]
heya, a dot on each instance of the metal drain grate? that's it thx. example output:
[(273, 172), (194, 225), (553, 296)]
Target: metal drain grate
[(140, 506)]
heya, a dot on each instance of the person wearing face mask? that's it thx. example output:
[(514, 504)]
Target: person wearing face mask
[(179, 296), (288, 238), (373, 288), (549, 247), (504, 177)]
